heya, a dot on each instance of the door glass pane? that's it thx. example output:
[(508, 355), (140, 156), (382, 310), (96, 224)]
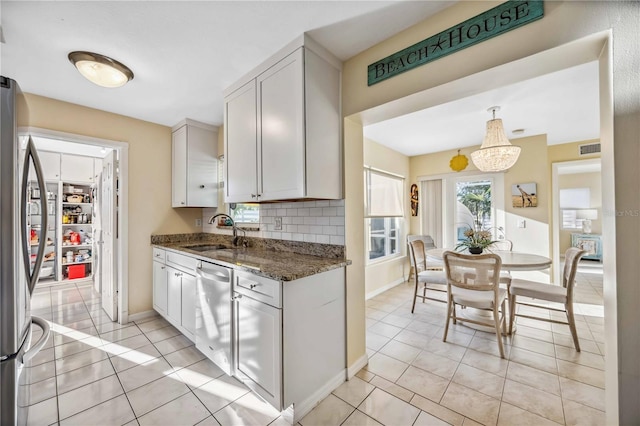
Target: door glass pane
[(474, 207)]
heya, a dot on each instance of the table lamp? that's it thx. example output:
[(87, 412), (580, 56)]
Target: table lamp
[(587, 215)]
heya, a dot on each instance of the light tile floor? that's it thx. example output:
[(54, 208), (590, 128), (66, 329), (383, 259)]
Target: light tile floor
[(413, 378), (94, 371)]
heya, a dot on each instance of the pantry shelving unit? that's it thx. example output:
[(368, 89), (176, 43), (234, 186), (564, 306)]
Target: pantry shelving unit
[(76, 252), (36, 208)]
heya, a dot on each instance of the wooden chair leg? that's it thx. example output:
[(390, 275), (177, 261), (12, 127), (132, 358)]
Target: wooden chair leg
[(496, 318), (424, 292), (446, 325), (415, 294), (411, 272), (455, 314), (572, 325), (512, 312)]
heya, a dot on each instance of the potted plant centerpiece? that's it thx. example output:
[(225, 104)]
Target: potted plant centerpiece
[(475, 241)]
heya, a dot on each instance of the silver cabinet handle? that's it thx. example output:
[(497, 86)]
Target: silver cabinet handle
[(162, 267), (237, 297), (201, 186), (252, 286), (182, 202), (253, 195)]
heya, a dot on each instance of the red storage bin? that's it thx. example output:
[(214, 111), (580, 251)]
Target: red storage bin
[(76, 271)]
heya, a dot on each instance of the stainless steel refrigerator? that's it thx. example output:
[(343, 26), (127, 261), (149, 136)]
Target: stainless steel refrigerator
[(18, 273)]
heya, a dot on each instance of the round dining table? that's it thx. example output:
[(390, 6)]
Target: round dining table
[(511, 260)]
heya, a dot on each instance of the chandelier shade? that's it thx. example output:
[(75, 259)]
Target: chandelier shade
[(496, 152)]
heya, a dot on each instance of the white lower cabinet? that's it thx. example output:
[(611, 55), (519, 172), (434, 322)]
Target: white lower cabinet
[(188, 304), (174, 290), (160, 287), (289, 338), (259, 343)]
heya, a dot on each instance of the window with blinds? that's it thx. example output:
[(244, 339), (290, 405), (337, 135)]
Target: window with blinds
[(384, 213)]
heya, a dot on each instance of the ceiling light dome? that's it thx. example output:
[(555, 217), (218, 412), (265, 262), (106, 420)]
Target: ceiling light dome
[(496, 153), (100, 69)]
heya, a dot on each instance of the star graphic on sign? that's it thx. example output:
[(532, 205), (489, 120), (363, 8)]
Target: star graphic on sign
[(438, 45)]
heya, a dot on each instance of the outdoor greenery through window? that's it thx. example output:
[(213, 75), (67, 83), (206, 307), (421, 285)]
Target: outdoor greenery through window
[(474, 206), (384, 213), (245, 213)]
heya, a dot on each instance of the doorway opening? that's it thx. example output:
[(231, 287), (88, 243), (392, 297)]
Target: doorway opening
[(86, 183)]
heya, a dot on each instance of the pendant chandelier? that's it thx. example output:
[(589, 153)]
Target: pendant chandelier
[(496, 153)]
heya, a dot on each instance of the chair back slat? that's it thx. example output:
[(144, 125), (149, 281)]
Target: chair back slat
[(504, 245), (418, 255), (571, 260), (473, 272)]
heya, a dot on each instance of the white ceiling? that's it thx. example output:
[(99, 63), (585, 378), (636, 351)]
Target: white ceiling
[(564, 105), (183, 53)]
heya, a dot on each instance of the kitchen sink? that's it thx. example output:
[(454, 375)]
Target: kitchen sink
[(208, 247)]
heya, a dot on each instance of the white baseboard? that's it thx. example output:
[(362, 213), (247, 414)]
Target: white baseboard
[(357, 366), (142, 315), (381, 290), (297, 411)]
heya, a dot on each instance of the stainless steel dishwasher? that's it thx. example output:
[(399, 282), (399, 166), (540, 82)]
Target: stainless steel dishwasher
[(214, 310)]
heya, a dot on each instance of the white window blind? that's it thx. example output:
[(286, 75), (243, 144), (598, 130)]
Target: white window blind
[(575, 198), (384, 194)]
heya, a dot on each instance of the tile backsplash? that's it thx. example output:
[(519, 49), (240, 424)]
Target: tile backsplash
[(308, 221)]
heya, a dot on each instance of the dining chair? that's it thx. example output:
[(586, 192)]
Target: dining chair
[(432, 279), (474, 281), (503, 245), (551, 293), (428, 244)]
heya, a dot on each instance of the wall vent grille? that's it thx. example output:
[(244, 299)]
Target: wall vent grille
[(588, 149)]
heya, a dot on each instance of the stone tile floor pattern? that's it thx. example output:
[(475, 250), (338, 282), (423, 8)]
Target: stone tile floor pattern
[(94, 371)]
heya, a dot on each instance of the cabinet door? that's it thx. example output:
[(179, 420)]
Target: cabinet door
[(160, 287), (50, 162), (281, 112), (202, 167), (188, 315), (259, 348), (240, 144), (174, 293), (75, 168), (179, 168)]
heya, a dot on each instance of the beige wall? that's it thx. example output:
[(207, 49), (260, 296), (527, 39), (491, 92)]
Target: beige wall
[(530, 168), (150, 209), (582, 180), (564, 22), (383, 274)]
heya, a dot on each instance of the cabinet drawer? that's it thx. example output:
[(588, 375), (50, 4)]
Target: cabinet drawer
[(258, 288), (180, 261), (159, 255)]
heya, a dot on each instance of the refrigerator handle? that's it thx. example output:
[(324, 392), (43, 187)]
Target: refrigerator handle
[(32, 277), (33, 350)]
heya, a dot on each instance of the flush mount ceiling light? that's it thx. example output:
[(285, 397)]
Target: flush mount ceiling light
[(100, 69), (496, 153)]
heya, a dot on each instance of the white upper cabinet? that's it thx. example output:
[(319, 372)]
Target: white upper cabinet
[(282, 128), (241, 153), (50, 162), (76, 168), (194, 165)]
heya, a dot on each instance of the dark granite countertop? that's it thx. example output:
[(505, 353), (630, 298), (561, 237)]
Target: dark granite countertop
[(263, 257)]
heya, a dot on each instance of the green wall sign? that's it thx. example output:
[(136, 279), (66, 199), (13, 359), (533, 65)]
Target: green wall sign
[(493, 22)]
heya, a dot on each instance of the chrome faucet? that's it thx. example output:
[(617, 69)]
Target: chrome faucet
[(233, 227)]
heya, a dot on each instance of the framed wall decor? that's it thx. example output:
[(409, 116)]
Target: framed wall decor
[(524, 195)]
